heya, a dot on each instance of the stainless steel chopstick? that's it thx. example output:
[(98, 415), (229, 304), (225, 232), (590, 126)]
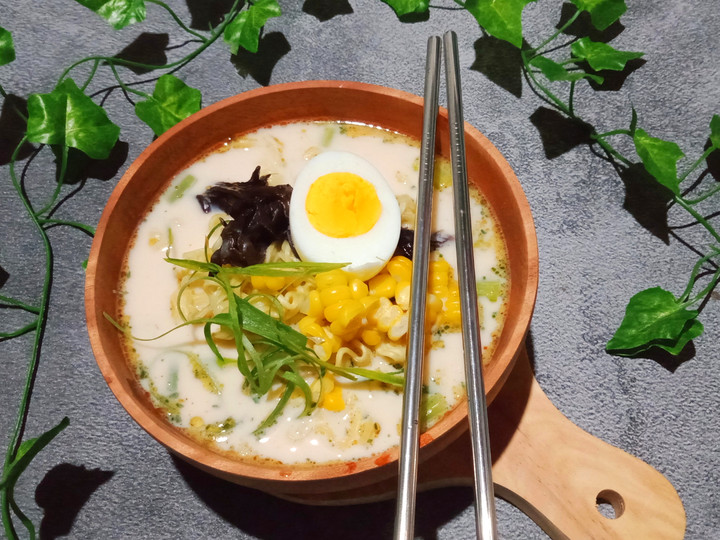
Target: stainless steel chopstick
[(409, 438), (485, 520)]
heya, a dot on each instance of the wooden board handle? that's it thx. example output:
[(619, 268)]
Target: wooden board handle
[(550, 469), (557, 473)]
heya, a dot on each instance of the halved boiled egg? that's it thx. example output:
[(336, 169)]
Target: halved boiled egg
[(343, 210)]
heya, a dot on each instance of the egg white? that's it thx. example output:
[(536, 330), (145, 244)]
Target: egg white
[(366, 253)]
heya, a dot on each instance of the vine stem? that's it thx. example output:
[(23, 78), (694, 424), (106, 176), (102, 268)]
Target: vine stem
[(707, 195), (5, 497), (23, 518), (7, 502), (18, 303), (125, 88), (614, 132), (709, 287), (177, 19), (560, 104), (56, 192), (693, 276), (19, 332), (557, 33), (697, 163), (605, 145), (114, 61), (75, 224), (698, 217), (17, 110), (610, 149), (91, 76)]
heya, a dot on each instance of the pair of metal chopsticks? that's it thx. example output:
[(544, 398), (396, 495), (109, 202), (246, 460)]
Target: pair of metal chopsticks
[(409, 441)]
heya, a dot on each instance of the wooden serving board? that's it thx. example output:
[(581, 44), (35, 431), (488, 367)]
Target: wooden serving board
[(550, 469)]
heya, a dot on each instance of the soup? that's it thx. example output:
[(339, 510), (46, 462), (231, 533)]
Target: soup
[(341, 398)]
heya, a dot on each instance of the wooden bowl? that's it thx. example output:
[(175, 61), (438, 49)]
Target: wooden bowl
[(151, 173)]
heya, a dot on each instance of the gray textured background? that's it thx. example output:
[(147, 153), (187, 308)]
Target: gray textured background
[(593, 256)]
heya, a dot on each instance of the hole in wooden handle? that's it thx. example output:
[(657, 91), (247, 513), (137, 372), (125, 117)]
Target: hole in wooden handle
[(610, 504)]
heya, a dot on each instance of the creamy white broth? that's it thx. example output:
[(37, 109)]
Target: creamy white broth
[(228, 415)]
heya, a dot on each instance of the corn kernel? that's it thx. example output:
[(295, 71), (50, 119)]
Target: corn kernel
[(345, 333), (315, 389), (383, 285), (333, 400), (352, 313), (331, 279), (441, 265), (325, 343), (309, 326), (330, 295), (433, 303), (334, 341), (369, 302), (358, 288), (452, 318), (316, 307), (452, 314), (371, 338), (433, 307), (402, 295), (400, 268), (258, 282), (345, 312), (332, 311), (438, 290), (439, 274), (274, 283), (385, 315), (323, 350), (196, 421), (399, 328)]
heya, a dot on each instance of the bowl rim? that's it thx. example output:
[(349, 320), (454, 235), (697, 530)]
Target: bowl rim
[(281, 477)]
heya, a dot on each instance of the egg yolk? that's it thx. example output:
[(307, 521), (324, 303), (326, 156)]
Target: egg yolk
[(342, 204)]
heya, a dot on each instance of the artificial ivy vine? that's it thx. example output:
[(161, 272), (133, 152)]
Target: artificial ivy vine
[(67, 117)]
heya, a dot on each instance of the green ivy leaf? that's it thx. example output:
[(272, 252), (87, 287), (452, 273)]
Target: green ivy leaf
[(602, 12), (601, 55), (660, 159), (501, 19), (27, 450), (556, 72), (654, 318), (7, 50), (171, 101), (405, 7), (119, 13), (633, 122), (66, 116), (244, 30), (692, 330), (715, 131)]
